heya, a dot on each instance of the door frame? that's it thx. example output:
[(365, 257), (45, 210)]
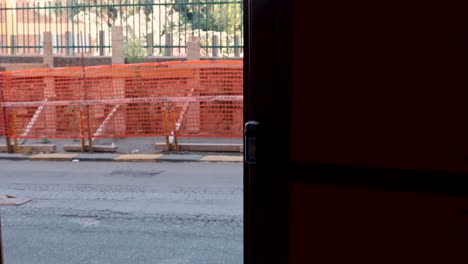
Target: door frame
[(266, 100)]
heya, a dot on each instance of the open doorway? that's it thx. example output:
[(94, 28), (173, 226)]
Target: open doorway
[(135, 162)]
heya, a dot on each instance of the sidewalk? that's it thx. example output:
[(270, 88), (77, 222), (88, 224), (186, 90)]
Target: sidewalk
[(132, 150)]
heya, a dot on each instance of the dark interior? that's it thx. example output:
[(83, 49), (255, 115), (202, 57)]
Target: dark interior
[(362, 153)]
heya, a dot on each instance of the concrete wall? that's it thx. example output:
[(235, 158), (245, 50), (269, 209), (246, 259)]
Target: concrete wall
[(73, 61), (20, 59)]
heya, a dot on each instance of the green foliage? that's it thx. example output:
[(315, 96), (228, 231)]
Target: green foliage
[(226, 17), (210, 14), (181, 18), (107, 9), (134, 49), (44, 140), (217, 15)]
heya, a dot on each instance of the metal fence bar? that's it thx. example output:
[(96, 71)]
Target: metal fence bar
[(174, 20), (34, 26), (13, 44), (24, 27), (16, 25), (2, 10)]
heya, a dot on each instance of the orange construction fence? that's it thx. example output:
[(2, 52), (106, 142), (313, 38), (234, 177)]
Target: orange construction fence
[(186, 99)]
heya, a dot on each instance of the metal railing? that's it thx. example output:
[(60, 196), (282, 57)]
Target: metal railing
[(151, 27)]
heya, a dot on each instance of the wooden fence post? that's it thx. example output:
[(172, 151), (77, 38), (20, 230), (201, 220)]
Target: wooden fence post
[(215, 46), (69, 43), (102, 42), (193, 48), (149, 43), (118, 57), (168, 51), (48, 56), (13, 43), (237, 44)]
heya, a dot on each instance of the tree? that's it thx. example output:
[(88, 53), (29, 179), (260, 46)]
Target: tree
[(182, 18), (211, 15)]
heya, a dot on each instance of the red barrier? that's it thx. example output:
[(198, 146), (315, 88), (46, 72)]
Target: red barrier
[(190, 99)]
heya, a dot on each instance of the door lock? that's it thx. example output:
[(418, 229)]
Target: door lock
[(250, 142)]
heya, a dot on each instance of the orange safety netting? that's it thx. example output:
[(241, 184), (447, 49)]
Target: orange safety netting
[(187, 99), (2, 126)]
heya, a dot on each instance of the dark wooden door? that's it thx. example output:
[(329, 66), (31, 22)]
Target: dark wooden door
[(363, 156)]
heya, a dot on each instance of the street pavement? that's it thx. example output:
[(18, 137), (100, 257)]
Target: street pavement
[(122, 212), (130, 150)]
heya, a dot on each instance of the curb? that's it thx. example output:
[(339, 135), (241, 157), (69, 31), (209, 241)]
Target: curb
[(4, 156), (124, 157)]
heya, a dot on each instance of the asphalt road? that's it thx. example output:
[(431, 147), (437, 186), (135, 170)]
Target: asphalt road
[(90, 212)]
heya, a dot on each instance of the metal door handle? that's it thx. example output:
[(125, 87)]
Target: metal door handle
[(250, 142)]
